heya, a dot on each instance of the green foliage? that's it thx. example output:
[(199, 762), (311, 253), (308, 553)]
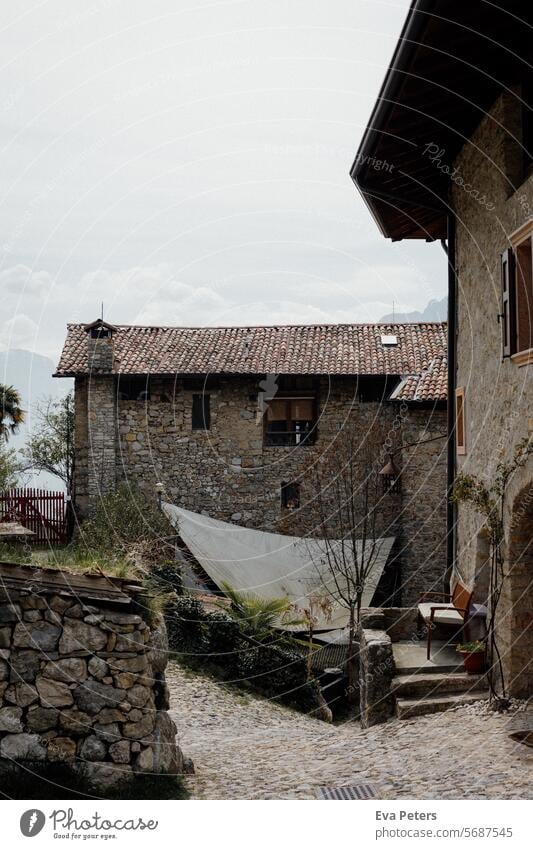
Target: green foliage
[(166, 577), (220, 642), (475, 647), (489, 500), (10, 467), (128, 525), (186, 628), (11, 414), (12, 553), (280, 673), (77, 558), (257, 616), (224, 637), (50, 447)]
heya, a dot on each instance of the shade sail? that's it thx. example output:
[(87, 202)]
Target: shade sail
[(270, 565)]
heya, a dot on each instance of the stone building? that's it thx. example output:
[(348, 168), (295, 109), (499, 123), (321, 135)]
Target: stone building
[(230, 420), (461, 170)]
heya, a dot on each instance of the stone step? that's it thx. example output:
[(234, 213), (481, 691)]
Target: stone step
[(435, 683), (409, 708)]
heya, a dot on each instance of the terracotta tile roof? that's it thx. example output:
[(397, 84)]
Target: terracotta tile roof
[(430, 385), (335, 349)]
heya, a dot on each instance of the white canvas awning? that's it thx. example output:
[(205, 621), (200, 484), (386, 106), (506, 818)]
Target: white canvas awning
[(267, 564)]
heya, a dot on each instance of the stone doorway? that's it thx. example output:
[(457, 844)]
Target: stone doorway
[(516, 605)]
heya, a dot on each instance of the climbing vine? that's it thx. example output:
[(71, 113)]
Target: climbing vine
[(490, 501)]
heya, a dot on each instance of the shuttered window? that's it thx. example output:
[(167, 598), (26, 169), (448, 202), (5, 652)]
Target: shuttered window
[(517, 295), (460, 424), (508, 314), (290, 421)]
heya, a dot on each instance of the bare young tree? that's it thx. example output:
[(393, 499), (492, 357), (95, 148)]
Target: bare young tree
[(350, 509)]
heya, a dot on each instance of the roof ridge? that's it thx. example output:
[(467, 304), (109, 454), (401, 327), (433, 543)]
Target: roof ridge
[(268, 326)]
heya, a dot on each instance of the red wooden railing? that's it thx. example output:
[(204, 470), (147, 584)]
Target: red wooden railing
[(39, 510)]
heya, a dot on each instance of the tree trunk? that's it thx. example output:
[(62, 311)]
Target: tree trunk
[(352, 665)]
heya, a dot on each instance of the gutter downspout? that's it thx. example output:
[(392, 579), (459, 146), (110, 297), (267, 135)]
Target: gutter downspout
[(451, 509)]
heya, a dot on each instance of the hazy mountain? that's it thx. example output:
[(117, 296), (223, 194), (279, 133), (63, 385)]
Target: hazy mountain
[(31, 374), (434, 311)]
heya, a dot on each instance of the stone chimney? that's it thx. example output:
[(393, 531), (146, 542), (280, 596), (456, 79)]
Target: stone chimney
[(100, 346)]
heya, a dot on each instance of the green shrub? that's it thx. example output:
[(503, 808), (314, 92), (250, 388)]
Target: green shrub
[(127, 523), (217, 642), (166, 577), (224, 640), (187, 631), (280, 673)]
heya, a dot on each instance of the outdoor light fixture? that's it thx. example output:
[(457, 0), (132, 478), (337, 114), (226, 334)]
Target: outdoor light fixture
[(159, 487), (390, 478)]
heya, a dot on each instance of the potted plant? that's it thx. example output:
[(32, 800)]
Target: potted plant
[(473, 656)]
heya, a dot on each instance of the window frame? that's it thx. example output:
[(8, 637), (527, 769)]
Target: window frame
[(460, 421), (286, 487), (514, 290), (308, 438), (129, 381), (205, 411)]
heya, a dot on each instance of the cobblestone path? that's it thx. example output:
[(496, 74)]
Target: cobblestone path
[(245, 747)]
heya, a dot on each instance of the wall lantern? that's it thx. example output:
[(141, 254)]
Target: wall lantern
[(390, 478), (159, 487)]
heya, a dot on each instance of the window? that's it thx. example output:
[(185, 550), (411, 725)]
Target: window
[(372, 388), (460, 433), (133, 388), (517, 296), (290, 421), (290, 496), (201, 412)]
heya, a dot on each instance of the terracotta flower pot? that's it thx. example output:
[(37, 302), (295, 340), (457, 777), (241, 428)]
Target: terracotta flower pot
[(474, 662)]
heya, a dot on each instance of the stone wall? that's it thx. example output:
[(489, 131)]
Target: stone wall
[(498, 394), (228, 472), (83, 684), (376, 671)]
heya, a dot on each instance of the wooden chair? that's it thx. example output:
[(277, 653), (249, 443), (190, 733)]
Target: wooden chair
[(453, 612)]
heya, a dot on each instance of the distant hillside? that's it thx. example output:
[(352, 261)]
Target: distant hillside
[(31, 375), (435, 311)]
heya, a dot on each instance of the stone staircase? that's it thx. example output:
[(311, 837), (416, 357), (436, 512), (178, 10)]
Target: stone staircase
[(421, 686)]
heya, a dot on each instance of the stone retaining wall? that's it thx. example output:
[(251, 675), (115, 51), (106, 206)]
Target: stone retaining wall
[(83, 684)]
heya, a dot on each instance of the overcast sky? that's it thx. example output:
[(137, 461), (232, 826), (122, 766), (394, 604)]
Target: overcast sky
[(186, 162)]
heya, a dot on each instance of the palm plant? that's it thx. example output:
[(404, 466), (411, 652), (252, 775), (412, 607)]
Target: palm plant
[(257, 616), (11, 413)]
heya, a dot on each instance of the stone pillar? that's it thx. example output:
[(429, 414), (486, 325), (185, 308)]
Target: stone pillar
[(376, 670)]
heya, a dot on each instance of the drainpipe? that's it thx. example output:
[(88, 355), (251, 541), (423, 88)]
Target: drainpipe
[(451, 509)]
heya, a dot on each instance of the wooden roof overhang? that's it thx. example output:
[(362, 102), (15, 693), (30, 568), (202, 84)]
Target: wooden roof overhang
[(451, 62), (45, 581)]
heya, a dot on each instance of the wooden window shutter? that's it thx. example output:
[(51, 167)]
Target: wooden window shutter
[(460, 422), (508, 313), (302, 409), (277, 410)]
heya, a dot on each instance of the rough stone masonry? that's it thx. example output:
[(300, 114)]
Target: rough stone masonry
[(134, 395), (83, 684)]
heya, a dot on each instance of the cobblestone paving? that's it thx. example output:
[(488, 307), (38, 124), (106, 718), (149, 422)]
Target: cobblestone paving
[(244, 747)]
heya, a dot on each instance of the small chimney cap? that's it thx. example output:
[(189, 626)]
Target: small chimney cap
[(93, 325)]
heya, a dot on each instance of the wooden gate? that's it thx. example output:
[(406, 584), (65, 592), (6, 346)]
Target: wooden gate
[(39, 510)]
